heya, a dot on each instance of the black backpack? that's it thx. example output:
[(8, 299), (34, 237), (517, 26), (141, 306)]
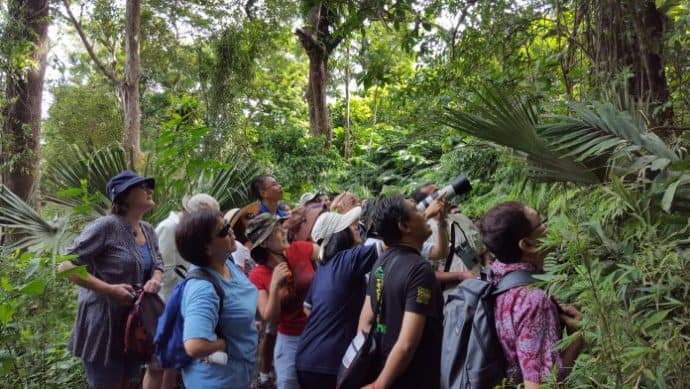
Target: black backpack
[(471, 355)]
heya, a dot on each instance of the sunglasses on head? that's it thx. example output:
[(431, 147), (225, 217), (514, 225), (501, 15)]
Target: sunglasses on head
[(225, 230)]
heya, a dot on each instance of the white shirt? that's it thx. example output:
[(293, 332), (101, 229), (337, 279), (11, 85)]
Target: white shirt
[(165, 231), (242, 258)]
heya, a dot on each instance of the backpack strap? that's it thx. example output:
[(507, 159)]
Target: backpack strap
[(201, 273), (513, 280)]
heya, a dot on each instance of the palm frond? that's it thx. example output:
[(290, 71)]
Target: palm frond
[(25, 226), (603, 131), (230, 185), (95, 167), (512, 122)]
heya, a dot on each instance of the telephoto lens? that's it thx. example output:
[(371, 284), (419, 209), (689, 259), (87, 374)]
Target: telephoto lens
[(460, 185)]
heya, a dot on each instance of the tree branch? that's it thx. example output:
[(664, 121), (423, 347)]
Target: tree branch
[(89, 48), (308, 41)]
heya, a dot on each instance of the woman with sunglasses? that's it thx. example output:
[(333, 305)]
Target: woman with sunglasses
[(121, 255), (528, 321), (206, 240)]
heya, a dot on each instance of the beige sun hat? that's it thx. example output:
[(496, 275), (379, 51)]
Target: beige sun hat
[(231, 216)]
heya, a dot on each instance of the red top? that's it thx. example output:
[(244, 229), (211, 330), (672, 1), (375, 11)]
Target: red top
[(292, 318)]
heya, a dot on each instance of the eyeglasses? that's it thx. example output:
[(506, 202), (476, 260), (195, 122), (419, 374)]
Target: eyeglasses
[(225, 230)]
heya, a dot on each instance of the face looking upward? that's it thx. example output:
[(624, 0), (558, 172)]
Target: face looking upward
[(140, 198), (271, 190), (222, 242)]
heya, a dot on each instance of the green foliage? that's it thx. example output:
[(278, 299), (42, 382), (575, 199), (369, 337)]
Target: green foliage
[(81, 115), (36, 317)]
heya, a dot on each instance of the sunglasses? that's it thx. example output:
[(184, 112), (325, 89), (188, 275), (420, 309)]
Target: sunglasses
[(225, 230)]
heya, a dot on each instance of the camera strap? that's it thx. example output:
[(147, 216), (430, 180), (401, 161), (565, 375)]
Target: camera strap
[(452, 252)]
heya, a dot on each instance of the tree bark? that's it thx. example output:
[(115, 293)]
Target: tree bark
[(129, 89), (21, 128), (346, 148), (317, 41), (126, 87)]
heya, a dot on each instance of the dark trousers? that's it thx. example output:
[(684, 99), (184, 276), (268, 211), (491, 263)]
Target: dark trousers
[(310, 380)]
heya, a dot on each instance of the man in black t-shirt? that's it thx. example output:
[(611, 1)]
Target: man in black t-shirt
[(409, 324)]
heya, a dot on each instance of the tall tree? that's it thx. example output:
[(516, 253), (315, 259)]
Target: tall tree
[(126, 84), (26, 38)]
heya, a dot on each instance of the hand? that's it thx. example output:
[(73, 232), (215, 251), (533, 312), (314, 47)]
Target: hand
[(435, 208), (280, 274), (122, 293), (152, 286), (570, 317)]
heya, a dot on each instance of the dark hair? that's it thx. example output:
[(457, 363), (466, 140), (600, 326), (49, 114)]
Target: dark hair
[(340, 241), (387, 213), (240, 232), (119, 206), (195, 231), (256, 184), (501, 229), (260, 254), (418, 195)]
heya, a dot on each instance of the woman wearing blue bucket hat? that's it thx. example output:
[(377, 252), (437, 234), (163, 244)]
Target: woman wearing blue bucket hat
[(121, 255)]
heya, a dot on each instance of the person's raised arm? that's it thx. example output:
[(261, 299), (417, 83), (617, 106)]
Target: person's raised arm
[(403, 350)]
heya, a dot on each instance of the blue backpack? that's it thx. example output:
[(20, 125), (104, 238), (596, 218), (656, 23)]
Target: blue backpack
[(168, 340)]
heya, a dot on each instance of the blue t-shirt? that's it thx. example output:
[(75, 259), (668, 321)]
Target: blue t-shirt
[(148, 260), (199, 309), (335, 297), (279, 212)]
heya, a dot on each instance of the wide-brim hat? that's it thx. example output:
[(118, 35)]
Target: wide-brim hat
[(124, 180), (330, 223), (232, 216), (261, 227)]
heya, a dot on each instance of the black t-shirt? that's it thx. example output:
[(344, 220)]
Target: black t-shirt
[(409, 285)]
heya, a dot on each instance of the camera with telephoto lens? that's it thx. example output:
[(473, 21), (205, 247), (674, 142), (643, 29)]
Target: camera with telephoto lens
[(460, 185)]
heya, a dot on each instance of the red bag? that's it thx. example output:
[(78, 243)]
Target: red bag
[(140, 328)]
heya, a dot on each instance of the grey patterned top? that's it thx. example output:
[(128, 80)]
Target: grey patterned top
[(108, 249)]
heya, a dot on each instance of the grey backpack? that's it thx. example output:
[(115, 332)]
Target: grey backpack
[(471, 355)]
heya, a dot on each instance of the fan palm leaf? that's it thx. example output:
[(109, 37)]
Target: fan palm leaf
[(27, 227), (511, 122), (95, 167)]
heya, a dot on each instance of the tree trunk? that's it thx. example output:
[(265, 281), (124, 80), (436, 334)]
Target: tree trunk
[(129, 89), (630, 35), (318, 43), (346, 148), (319, 122), (23, 93)]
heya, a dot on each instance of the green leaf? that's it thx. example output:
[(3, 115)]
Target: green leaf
[(33, 288), (6, 312), (79, 270), (670, 193)]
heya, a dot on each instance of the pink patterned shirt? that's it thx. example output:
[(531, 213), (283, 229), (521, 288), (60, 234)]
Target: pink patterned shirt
[(528, 328)]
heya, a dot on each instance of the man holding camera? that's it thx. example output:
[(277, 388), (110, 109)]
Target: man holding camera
[(437, 247)]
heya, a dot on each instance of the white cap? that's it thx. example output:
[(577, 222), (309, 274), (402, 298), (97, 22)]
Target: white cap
[(200, 201), (330, 223)]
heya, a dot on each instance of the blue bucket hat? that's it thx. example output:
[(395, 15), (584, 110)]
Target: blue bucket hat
[(125, 180)]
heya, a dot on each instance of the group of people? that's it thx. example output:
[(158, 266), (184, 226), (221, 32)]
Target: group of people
[(300, 284)]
